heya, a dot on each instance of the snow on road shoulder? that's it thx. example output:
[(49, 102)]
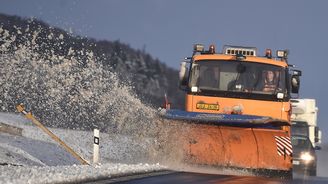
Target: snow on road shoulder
[(35, 158), (113, 147), (73, 173), (17, 150)]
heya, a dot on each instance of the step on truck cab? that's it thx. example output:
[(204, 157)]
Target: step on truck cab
[(238, 108)]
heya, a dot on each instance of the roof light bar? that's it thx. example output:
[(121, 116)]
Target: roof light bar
[(234, 50)]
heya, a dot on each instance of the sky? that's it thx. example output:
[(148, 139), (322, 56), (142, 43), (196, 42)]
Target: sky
[(167, 29)]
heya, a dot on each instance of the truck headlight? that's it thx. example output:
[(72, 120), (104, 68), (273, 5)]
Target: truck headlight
[(307, 157)]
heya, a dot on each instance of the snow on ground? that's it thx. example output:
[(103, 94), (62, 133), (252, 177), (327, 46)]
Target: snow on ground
[(35, 158), (73, 173), (113, 147), (22, 151)]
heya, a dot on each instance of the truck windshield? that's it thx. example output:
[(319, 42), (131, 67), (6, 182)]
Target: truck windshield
[(300, 128), (236, 76), (301, 142)]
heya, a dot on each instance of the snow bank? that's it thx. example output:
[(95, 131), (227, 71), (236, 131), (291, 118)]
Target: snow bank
[(113, 147), (35, 158)]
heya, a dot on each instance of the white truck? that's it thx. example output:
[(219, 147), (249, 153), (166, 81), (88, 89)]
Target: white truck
[(304, 120)]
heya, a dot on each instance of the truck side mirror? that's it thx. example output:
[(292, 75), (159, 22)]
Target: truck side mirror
[(295, 83), (183, 75), (317, 135), (295, 80)]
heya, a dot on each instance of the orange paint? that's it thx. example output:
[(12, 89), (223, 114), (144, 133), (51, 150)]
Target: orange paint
[(273, 109), (234, 147)]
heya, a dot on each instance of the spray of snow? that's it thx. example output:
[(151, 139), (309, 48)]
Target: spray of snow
[(66, 89), (73, 89)]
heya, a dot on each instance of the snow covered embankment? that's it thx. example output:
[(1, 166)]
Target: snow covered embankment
[(34, 158)]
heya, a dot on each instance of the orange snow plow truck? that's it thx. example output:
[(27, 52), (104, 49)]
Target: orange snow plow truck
[(238, 108)]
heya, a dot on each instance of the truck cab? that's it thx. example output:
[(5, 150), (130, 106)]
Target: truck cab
[(237, 81)]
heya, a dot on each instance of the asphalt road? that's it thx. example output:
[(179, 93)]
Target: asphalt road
[(172, 177)]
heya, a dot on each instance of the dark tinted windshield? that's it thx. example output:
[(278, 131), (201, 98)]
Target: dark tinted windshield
[(300, 128), (301, 142), (237, 76)]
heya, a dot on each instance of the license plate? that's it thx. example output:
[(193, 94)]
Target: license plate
[(207, 106), (296, 162)]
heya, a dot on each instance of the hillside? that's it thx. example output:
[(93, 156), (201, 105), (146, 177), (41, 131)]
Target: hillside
[(62, 76)]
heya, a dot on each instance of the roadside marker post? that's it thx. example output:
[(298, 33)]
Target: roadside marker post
[(29, 115), (95, 146)]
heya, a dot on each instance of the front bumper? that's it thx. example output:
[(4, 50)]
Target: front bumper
[(300, 166)]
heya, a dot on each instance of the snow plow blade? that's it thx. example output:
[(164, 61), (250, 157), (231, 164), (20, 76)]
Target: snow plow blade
[(235, 141)]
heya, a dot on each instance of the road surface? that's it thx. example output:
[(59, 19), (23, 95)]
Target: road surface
[(200, 178)]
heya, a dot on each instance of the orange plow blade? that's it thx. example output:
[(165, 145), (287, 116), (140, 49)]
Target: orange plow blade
[(236, 143)]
